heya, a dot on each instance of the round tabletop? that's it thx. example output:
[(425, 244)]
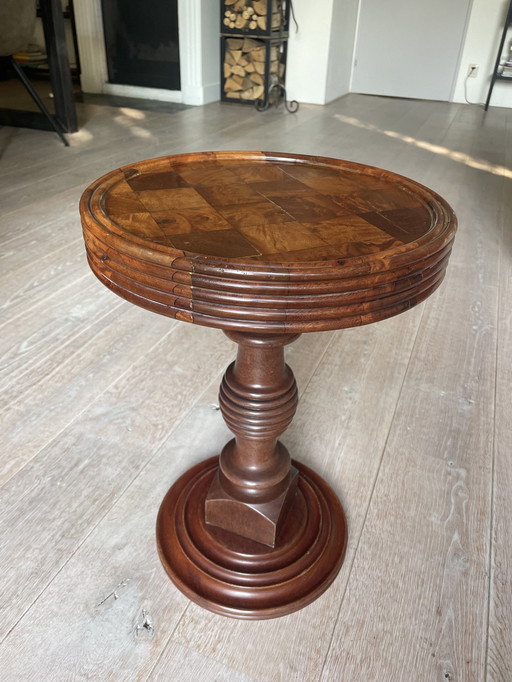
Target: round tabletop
[(270, 242)]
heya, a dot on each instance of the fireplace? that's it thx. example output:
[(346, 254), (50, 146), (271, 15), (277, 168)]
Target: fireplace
[(142, 43)]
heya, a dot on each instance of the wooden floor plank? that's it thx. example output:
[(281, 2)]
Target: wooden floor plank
[(27, 287), (499, 660), (24, 250), (420, 573), (121, 548), (123, 544), (421, 568), (399, 417), (61, 494), (43, 402), (56, 210), (46, 330)]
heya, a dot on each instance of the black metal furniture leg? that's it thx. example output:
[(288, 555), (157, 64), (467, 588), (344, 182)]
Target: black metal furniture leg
[(262, 105), (42, 106)]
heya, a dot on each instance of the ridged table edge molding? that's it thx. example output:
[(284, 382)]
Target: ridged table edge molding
[(216, 291)]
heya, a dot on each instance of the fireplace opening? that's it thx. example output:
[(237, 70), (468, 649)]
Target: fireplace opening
[(142, 43)]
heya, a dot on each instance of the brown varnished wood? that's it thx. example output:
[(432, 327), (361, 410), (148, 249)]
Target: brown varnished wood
[(255, 482), (264, 246), (237, 577), (190, 236)]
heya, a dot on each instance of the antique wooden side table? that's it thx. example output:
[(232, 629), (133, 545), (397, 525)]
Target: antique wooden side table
[(264, 246)]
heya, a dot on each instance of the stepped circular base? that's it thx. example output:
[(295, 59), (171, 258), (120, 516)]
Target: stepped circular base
[(237, 577)]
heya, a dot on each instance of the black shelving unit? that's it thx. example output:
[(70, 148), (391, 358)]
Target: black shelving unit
[(64, 120), (497, 73), (254, 47), (42, 70)]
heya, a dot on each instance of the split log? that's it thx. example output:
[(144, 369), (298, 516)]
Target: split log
[(258, 54), (276, 21), (244, 68), (256, 78), (262, 23), (252, 15), (235, 43), (258, 92), (249, 44), (231, 85), (260, 6)]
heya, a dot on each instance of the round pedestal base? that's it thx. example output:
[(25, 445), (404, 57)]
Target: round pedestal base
[(237, 577)]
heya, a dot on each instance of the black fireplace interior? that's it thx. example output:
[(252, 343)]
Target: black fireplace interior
[(142, 44)]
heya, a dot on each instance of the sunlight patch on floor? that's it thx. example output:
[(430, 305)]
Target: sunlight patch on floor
[(459, 157)]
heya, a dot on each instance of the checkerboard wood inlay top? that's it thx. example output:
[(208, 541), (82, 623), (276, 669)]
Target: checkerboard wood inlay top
[(253, 220)]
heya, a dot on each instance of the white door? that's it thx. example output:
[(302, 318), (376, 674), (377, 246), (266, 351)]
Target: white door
[(409, 48)]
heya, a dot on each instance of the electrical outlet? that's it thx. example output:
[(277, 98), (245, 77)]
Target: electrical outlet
[(473, 70)]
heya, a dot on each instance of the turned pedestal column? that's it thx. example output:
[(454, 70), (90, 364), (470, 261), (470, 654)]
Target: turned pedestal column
[(245, 535), (255, 483), (264, 247)]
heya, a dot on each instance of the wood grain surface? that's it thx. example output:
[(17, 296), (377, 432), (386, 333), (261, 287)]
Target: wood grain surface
[(500, 617), (256, 241)]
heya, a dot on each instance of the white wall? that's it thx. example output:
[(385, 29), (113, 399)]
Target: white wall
[(211, 50), (481, 47), (341, 48), (308, 51), (320, 53)]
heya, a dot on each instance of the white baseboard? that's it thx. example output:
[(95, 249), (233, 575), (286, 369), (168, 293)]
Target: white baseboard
[(197, 95), (159, 94)]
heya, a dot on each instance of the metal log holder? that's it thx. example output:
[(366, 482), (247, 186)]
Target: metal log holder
[(274, 34)]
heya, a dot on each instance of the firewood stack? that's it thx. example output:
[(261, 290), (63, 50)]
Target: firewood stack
[(254, 35), (251, 15), (244, 67)]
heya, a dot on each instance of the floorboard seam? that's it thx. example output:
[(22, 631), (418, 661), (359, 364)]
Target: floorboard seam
[(370, 498)]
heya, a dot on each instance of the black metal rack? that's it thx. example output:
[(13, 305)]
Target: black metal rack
[(254, 48), (497, 75), (64, 120)]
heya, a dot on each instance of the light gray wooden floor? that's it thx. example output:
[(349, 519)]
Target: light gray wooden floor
[(104, 405)]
